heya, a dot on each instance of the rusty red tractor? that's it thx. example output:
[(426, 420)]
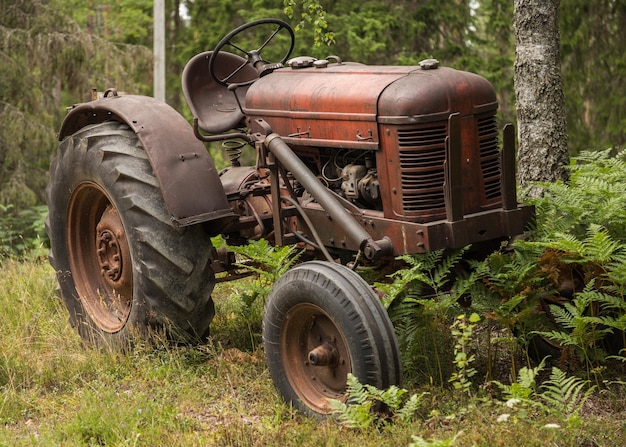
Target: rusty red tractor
[(357, 164)]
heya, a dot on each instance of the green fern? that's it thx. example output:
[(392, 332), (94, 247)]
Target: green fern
[(268, 261), (579, 329), (595, 194), (420, 300), (428, 282), (362, 401), (564, 396), (525, 386), (561, 395)]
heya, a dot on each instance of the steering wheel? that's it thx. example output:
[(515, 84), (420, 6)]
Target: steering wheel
[(252, 57)]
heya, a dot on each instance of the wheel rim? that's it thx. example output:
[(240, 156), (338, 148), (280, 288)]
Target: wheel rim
[(99, 257), (315, 356)]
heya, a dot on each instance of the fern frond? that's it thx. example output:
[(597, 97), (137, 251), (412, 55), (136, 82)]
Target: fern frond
[(410, 407), (564, 395), (465, 283), (442, 271), (564, 315), (353, 416), (423, 261), (392, 396), (525, 386), (562, 338), (357, 392), (599, 247), (566, 243)]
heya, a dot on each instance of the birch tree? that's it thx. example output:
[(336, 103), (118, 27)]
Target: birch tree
[(542, 132)]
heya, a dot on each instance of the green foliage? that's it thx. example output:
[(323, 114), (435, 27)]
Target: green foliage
[(57, 392), (525, 386), (49, 61), (22, 232), (418, 441), (592, 69), (564, 396), (364, 400), (421, 299), (579, 328), (560, 396), (560, 292), (311, 12), (565, 284), (267, 263), (594, 194), (427, 282), (461, 331)]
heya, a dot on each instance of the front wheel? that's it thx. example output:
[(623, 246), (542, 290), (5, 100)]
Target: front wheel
[(323, 321), (123, 268)]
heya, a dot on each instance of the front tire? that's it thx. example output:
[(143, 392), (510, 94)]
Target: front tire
[(124, 269), (323, 321)]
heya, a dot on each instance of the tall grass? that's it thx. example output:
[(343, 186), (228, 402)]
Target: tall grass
[(56, 391)]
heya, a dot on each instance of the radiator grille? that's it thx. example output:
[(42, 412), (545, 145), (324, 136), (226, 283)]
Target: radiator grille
[(422, 155), (421, 159)]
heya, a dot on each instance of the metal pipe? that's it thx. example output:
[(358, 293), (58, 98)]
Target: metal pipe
[(371, 249)]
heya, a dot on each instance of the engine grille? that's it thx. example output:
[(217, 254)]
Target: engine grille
[(422, 155), (422, 175)]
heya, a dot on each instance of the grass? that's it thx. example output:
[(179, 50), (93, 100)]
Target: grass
[(57, 392)]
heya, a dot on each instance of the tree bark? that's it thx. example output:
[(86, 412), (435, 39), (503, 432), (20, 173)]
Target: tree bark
[(542, 132)]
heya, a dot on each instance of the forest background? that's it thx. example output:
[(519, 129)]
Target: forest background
[(52, 52)]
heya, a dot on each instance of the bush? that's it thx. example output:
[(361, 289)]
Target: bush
[(559, 293), (22, 231)]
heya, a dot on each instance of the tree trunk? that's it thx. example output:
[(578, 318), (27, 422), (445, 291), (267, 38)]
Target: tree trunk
[(542, 132)]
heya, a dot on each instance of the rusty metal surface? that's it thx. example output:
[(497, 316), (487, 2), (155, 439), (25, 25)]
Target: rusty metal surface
[(412, 171), (431, 95), (305, 326), (408, 237), (102, 271), (186, 173), (335, 106), (216, 108)]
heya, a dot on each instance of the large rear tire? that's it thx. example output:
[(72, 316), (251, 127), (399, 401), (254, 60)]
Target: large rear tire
[(124, 269), (323, 321)]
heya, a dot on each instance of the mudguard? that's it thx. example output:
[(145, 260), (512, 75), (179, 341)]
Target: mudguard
[(186, 173)]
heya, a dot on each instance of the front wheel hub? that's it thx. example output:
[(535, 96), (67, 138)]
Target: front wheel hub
[(325, 354)]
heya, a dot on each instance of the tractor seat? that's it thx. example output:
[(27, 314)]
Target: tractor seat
[(212, 103)]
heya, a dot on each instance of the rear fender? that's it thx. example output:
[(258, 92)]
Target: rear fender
[(185, 171)]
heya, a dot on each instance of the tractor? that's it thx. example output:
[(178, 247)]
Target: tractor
[(355, 164)]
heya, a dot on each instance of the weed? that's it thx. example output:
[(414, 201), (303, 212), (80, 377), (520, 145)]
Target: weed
[(461, 331), (419, 300)]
